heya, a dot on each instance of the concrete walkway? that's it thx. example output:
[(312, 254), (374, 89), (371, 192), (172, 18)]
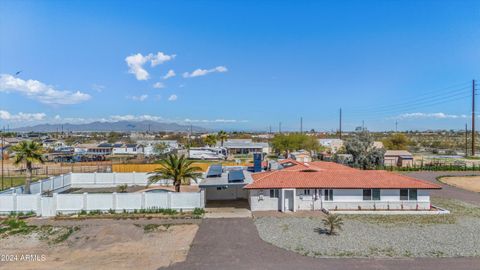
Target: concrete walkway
[(228, 209)]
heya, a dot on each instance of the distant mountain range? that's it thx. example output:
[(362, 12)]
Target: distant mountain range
[(119, 126)]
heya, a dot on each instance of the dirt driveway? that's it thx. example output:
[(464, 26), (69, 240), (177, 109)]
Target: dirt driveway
[(103, 244), (471, 183)]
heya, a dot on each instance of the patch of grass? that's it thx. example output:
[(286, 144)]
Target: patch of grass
[(65, 235), (12, 226), (457, 208), (198, 212), (14, 181), (148, 228), (56, 235)]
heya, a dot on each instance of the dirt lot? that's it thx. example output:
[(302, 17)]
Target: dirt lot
[(139, 244), (471, 183)]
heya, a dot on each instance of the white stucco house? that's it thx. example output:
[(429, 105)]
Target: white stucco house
[(331, 186)]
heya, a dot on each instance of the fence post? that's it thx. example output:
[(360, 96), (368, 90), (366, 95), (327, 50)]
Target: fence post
[(54, 203), (84, 206), (142, 206), (41, 186), (14, 198), (95, 178), (38, 212), (114, 201), (169, 200)]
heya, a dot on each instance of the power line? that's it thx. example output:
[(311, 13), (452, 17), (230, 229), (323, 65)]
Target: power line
[(438, 92), (465, 92)]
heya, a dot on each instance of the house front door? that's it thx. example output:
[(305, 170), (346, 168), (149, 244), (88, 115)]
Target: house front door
[(288, 201)]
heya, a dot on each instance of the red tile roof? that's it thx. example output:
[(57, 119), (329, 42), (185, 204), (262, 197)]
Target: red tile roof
[(321, 174)]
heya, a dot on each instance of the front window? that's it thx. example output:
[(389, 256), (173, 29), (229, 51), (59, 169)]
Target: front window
[(328, 195), (412, 196), (367, 194), (274, 193), (376, 194), (404, 194), (306, 192)]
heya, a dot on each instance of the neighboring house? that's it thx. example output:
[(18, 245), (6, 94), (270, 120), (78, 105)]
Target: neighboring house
[(331, 144), (149, 146), (127, 149), (398, 158), (301, 156), (102, 149), (326, 185), (244, 146), (225, 182)]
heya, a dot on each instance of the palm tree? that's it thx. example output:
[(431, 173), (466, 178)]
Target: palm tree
[(28, 152), (333, 222), (179, 169), (222, 136), (211, 140)]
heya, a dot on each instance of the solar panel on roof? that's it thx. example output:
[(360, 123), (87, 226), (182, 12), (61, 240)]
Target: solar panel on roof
[(236, 176), (215, 170)]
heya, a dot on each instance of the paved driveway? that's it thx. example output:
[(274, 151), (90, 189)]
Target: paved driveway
[(449, 191), (235, 244)]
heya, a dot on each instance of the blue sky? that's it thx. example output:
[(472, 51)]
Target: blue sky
[(253, 63)]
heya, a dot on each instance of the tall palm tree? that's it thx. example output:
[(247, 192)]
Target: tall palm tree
[(28, 152), (211, 140), (222, 136), (179, 169), (333, 222)]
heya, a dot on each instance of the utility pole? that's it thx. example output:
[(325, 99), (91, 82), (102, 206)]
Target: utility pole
[(340, 129), (301, 124), (396, 126), (466, 140), (473, 118), (279, 127), (363, 125), (270, 130), (3, 146)]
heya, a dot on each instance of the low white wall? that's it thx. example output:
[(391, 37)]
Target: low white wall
[(260, 200), (74, 203)]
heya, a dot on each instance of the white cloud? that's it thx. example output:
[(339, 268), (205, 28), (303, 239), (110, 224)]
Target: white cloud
[(438, 115), (214, 121), (138, 98), (136, 62), (130, 117), (203, 72), (42, 92), (160, 58), (172, 97), (169, 74), (28, 117), (98, 87), (159, 85)]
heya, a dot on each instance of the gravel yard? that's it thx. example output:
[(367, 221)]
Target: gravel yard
[(454, 235)]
